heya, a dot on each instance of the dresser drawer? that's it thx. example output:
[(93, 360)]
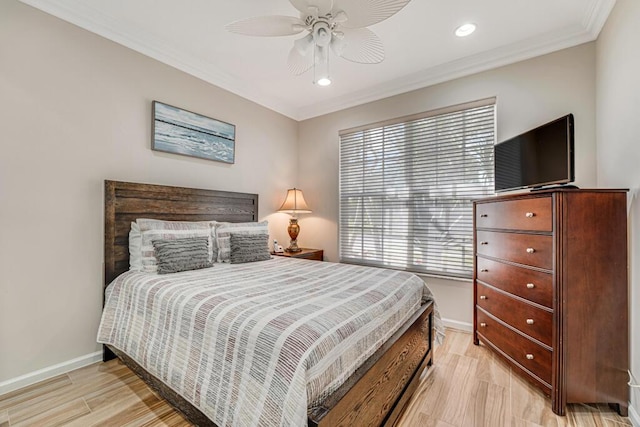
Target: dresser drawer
[(530, 355), (534, 214), (529, 249), (532, 285), (533, 321)]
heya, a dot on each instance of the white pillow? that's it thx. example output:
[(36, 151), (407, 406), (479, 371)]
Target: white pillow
[(154, 229), (223, 232), (135, 247)]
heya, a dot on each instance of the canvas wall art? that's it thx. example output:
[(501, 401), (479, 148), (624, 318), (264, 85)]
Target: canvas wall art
[(180, 131)]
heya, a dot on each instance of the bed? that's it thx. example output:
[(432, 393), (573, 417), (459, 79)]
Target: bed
[(375, 393)]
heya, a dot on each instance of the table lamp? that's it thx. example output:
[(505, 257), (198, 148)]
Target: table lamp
[(294, 204)]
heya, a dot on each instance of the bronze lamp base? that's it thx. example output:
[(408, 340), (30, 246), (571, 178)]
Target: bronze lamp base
[(294, 230)]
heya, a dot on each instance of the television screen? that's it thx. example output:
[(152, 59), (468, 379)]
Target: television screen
[(539, 157)]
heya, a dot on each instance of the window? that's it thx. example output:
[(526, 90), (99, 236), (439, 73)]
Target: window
[(406, 189)]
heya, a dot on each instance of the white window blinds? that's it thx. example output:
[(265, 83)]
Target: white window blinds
[(406, 189)]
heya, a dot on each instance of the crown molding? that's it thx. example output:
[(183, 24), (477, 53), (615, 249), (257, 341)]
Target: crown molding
[(467, 66), (81, 15), (592, 23), (597, 15)]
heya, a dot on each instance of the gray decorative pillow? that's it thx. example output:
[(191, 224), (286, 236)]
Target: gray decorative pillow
[(222, 230), (177, 255), (155, 229), (249, 248)]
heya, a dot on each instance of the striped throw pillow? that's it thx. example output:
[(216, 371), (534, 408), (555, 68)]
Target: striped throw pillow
[(153, 229), (249, 248), (177, 255), (224, 229)]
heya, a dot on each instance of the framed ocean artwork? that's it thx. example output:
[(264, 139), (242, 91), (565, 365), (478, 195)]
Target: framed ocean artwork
[(182, 132)]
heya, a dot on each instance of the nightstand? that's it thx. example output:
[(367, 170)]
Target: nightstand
[(305, 253)]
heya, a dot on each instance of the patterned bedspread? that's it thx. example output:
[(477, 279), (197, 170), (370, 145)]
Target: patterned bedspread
[(258, 343)]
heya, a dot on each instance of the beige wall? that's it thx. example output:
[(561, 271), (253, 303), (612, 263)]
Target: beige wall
[(618, 136), (528, 94), (76, 109)]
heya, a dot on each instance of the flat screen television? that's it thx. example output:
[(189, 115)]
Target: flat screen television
[(540, 157)]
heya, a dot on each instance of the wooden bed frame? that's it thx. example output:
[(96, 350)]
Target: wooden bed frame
[(375, 394)]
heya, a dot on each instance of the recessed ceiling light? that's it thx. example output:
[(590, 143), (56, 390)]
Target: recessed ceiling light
[(324, 81), (465, 29)]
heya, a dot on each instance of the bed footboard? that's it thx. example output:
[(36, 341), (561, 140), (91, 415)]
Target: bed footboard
[(379, 390), (374, 395)]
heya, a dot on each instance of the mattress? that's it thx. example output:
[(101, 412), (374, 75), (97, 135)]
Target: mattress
[(258, 343)]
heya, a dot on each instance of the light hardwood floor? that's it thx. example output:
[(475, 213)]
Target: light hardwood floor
[(466, 386)]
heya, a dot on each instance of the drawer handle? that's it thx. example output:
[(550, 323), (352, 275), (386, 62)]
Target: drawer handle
[(484, 243), (483, 297), (530, 356), (529, 321), (529, 214), (483, 325), (483, 215), (484, 270), (530, 250), (530, 286)]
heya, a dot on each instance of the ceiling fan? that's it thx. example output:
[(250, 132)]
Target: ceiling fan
[(339, 25)]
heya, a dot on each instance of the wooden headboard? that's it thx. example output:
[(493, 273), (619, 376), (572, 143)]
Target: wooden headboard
[(124, 202)]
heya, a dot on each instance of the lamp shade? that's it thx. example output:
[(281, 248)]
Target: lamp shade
[(294, 203)]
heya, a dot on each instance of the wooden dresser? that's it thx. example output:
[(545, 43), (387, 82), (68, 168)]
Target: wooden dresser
[(550, 291)]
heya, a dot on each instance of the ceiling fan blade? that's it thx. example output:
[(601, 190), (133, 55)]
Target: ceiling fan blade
[(359, 45), (267, 26), (363, 13), (299, 63), (323, 6)]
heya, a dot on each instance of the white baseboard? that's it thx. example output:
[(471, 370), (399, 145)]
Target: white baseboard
[(49, 372), (455, 324), (634, 417)]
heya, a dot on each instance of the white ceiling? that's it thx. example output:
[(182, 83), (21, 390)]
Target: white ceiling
[(421, 48)]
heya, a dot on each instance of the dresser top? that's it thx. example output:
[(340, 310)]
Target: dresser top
[(547, 191)]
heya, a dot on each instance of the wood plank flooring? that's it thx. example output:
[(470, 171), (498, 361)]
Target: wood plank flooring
[(466, 386), (469, 386)]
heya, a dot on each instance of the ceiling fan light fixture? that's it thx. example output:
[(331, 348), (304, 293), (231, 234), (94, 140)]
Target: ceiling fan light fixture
[(321, 66), (322, 34), (465, 30)]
